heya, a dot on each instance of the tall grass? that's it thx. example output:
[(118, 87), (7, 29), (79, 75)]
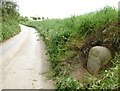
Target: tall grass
[(8, 20), (70, 37), (9, 29)]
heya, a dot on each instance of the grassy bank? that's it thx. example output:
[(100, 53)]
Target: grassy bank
[(9, 29), (69, 40), (9, 20)]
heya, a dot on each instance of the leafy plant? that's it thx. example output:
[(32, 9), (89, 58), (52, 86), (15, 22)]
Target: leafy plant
[(109, 78), (69, 37), (68, 83), (10, 25)]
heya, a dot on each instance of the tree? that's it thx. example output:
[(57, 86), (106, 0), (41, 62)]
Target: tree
[(34, 18), (39, 18), (43, 18), (9, 10)]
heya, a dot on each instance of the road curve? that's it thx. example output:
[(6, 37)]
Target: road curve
[(24, 62)]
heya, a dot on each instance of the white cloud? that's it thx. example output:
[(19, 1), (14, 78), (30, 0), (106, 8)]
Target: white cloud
[(61, 8)]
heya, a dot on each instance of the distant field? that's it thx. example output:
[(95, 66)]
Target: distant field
[(69, 38)]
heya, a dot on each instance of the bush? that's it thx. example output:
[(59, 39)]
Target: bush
[(10, 24)]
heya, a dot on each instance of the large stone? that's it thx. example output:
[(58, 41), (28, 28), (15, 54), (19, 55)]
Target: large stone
[(98, 57)]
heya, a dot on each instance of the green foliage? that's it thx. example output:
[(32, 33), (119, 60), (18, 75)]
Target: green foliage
[(9, 10), (34, 18), (39, 18), (23, 19), (68, 83), (10, 25), (109, 78), (43, 18), (76, 35), (9, 29)]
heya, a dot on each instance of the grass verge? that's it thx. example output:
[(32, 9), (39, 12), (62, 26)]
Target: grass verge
[(9, 29), (69, 40)]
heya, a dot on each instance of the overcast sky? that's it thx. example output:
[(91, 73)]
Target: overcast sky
[(61, 8)]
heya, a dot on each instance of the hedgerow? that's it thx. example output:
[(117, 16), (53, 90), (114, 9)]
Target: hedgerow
[(9, 20)]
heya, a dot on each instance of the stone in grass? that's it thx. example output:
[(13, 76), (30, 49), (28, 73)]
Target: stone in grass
[(98, 57)]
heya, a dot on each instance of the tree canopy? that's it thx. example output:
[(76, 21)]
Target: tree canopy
[(9, 10)]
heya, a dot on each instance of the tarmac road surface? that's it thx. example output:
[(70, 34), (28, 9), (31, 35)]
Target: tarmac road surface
[(23, 62)]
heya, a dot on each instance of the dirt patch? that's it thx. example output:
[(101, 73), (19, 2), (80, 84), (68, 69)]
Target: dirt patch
[(79, 70)]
